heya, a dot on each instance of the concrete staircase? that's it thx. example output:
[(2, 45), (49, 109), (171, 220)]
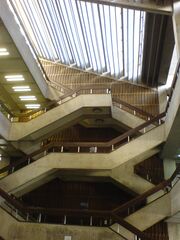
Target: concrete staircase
[(130, 154)]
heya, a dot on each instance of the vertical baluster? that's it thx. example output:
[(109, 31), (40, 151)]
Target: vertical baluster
[(39, 218), (91, 221), (64, 219), (62, 149)]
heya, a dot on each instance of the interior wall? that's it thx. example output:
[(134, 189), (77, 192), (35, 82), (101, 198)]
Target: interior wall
[(174, 231)]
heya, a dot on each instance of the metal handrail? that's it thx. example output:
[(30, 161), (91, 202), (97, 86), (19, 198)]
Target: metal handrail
[(94, 147), (113, 214)]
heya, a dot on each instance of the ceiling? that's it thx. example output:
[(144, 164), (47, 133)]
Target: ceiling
[(13, 64)]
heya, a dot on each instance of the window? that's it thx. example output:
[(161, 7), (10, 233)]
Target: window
[(91, 36)]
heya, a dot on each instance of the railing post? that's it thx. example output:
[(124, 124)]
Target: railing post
[(112, 147), (91, 221), (134, 112), (39, 218), (128, 211), (91, 91), (95, 149), (64, 219), (27, 217), (118, 230), (16, 213), (62, 149), (144, 130), (29, 160), (78, 149), (128, 138)]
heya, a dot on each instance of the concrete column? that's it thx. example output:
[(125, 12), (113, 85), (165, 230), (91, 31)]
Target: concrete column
[(176, 25), (169, 167), (174, 231)]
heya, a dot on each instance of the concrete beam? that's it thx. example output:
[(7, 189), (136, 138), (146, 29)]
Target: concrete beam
[(52, 119), (152, 213), (13, 28), (91, 161), (12, 229), (145, 5)]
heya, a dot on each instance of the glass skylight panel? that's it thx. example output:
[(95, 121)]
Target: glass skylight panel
[(106, 39)]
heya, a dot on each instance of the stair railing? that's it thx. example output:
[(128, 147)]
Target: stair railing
[(111, 216), (87, 147)]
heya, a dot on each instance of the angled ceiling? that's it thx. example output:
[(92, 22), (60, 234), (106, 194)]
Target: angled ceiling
[(13, 64)]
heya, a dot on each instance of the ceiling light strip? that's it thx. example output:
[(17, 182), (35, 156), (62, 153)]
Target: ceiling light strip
[(28, 98), (14, 78), (32, 106), (4, 52)]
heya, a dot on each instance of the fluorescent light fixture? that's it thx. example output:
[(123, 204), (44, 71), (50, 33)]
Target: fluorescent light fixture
[(32, 106), (4, 52), (28, 98), (178, 155), (13, 78), (21, 89)]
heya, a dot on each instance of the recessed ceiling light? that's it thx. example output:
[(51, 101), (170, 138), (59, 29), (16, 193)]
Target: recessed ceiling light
[(4, 52), (13, 78), (28, 98), (21, 88), (32, 106)]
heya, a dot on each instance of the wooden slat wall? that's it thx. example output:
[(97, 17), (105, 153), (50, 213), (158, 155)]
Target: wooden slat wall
[(158, 231), (79, 133), (151, 169), (139, 96), (60, 194)]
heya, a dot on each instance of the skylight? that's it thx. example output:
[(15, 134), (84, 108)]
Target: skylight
[(91, 36)]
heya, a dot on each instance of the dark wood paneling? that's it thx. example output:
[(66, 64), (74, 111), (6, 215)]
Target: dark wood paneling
[(77, 195)]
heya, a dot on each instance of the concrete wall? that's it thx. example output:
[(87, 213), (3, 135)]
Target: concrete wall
[(174, 231), (125, 173), (52, 119), (10, 229), (175, 199), (92, 161), (151, 213)]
